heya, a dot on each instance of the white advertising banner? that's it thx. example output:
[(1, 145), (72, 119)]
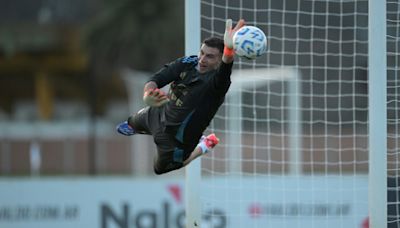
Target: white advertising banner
[(159, 203), (291, 201)]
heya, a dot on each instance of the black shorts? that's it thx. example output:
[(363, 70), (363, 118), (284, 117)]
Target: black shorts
[(170, 152)]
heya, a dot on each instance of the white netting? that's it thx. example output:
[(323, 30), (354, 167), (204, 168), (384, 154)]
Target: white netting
[(393, 104), (294, 127)]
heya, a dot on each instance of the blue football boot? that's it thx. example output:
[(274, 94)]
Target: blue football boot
[(125, 129)]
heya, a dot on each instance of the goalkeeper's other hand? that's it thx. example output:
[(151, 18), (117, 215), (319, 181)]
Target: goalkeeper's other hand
[(155, 97), (229, 32)]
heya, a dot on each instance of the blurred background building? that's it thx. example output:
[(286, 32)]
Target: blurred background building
[(71, 70), (61, 90)]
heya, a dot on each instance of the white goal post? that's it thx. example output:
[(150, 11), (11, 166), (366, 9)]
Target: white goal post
[(377, 197), (192, 171)]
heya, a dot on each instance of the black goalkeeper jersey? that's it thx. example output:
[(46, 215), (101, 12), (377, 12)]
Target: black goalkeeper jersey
[(194, 97)]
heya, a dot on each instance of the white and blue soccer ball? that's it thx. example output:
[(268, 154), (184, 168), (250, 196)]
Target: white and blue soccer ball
[(249, 42)]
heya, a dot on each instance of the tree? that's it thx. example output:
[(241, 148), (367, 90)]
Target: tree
[(139, 34)]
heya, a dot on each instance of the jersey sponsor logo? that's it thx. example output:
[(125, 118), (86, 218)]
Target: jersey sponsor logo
[(177, 92), (183, 75)]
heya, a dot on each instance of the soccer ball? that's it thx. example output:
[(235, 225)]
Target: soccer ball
[(249, 42)]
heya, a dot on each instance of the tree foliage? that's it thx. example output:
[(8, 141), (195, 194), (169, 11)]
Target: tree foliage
[(139, 34)]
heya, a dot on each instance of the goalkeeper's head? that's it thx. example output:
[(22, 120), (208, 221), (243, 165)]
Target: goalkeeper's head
[(210, 55)]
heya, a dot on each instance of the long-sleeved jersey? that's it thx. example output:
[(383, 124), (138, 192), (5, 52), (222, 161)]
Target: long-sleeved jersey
[(194, 97)]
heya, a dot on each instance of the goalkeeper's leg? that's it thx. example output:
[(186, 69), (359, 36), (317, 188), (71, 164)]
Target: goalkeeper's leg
[(136, 124), (205, 145), (170, 157)]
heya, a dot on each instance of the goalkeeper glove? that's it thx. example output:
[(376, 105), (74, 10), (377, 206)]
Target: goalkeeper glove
[(228, 36), (155, 97)]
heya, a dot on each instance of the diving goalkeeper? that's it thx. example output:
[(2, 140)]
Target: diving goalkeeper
[(176, 121)]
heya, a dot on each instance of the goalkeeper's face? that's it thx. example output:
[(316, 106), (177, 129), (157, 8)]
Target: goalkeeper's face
[(209, 58)]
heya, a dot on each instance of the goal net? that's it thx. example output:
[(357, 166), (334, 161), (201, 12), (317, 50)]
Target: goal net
[(294, 148), (393, 112)]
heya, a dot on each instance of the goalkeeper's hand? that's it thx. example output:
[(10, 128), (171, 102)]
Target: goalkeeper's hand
[(229, 32), (155, 97)]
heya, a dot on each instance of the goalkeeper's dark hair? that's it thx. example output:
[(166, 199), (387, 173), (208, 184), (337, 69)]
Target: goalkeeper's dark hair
[(215, 42)]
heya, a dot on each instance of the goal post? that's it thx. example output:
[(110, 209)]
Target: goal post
[(192, 171), (377, 86)]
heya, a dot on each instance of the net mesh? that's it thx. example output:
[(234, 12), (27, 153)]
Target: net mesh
[(393, 99), (294, 126)]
